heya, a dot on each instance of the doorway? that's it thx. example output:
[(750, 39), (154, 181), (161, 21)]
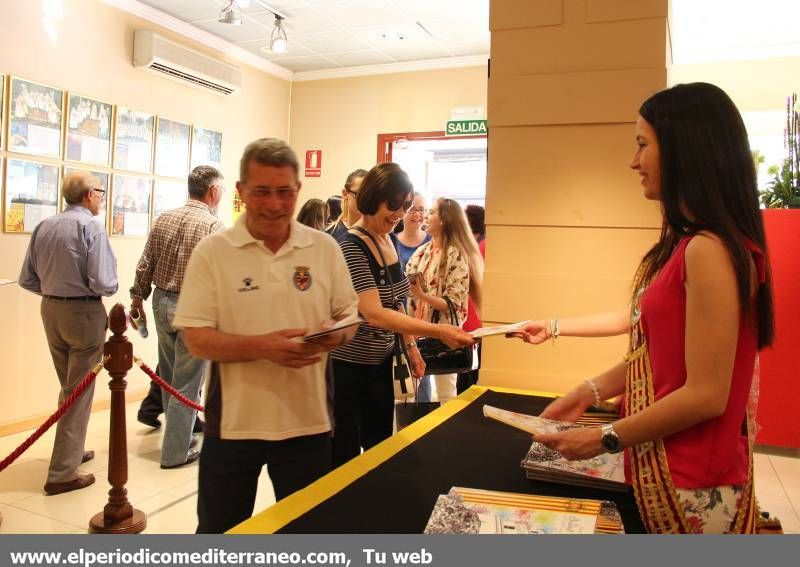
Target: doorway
[(440, 166)]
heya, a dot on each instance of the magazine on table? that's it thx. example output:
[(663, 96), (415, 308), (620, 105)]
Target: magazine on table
[(475, 511), (604, 471)]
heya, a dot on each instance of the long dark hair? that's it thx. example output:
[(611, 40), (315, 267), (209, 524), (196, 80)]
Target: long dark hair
[(707, 170)]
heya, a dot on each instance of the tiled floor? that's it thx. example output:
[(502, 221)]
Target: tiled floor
[(169, 497)]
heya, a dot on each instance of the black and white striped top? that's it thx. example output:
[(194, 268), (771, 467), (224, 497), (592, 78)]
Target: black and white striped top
[(370, 345)]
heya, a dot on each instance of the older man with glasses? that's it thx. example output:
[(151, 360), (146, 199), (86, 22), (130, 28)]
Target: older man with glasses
[(250, 294), (70, 263)]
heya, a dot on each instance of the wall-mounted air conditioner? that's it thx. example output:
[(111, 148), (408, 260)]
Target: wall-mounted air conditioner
[(172, 60)]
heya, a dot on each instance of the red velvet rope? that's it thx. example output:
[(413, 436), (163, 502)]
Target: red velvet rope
[(158, 380), (79, 389)]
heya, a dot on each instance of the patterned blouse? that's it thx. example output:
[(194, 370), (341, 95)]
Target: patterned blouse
[(455, 284)]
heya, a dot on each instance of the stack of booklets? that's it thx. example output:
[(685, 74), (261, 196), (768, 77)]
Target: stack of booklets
[(474, 511), (605, 471)]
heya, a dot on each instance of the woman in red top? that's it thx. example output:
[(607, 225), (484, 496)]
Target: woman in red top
[(701, 309)]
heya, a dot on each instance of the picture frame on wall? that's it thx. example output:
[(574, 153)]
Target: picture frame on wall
[(172, 148), (104, 177), (168, 194), (133, 140), (31, 194), (206, 147), (2, 112), (130, 212), (35, 118), (88, 130)]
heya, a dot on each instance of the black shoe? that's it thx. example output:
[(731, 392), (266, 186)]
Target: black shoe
[(198, 425), (191, 457), (149, 420)]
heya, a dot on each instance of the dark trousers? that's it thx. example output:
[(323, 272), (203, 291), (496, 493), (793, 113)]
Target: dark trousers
[(229, 471), (363, 407)]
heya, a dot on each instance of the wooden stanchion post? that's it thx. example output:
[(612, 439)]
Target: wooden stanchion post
[(118, 516)]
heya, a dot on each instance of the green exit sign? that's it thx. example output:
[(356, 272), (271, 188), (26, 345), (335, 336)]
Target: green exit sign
[(465, 128)]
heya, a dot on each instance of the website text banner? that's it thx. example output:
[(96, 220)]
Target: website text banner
[(394, 551)]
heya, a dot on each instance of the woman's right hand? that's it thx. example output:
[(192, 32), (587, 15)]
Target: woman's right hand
[(571, 406), (534, 333), (454, 337)]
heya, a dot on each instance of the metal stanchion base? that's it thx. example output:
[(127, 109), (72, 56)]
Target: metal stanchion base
[(133, 525)]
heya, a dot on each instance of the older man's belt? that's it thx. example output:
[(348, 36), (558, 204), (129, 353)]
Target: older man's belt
[(74, 298)]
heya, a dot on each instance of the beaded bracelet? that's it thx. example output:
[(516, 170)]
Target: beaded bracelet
[(595, 391)]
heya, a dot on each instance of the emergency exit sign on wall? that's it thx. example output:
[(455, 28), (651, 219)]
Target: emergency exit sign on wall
[(465, 128)]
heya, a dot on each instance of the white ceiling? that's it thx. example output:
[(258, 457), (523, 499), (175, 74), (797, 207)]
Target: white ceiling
[(337, 34), (730, 30)]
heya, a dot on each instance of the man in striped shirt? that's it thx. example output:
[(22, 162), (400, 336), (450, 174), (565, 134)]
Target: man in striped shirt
[(163, 264)]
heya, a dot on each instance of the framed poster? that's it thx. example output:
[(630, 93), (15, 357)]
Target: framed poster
[(167, 195), (206, 148), (133, 147), (35, 118), (2, 114), (172, 148), (130, 213), (102, 216), (88, 130), (31, 194)]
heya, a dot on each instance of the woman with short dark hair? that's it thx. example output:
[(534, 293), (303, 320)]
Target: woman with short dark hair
[(363, 390), (701, 308)]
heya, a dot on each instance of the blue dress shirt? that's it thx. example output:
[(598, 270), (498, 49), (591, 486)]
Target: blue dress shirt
[(69, 255)]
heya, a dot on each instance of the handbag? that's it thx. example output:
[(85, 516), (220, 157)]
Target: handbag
[(440, 358), (402, 379)]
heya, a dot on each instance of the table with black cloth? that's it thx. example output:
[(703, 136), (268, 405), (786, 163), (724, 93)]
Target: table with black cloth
[(393, 487)]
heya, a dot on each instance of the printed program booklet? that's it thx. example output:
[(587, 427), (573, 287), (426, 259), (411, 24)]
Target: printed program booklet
[(349, 321), (605, 471)]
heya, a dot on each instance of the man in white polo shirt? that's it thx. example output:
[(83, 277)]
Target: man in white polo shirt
[(249, 294)]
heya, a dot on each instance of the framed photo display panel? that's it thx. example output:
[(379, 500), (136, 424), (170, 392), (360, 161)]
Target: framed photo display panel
[(130, 213), (104, 177), (167, 195), (31, 194), (88, 130), (133, 147), (2, 114), (172, 148), (35, 118), (206, 148)]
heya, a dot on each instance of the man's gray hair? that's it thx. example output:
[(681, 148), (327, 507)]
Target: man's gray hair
[(268, 151), (75, 186), (201, 179)]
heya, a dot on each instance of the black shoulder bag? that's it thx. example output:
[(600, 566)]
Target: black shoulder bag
[(440, 358), (401, 372)]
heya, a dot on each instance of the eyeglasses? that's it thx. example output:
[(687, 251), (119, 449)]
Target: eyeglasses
[(396, 205), (263, 193), (413, 210), (101, 191), (354, 193)]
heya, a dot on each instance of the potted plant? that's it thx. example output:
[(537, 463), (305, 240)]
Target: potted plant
[(783, 190)]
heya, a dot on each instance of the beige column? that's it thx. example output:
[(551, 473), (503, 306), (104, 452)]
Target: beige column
[(567, 222)]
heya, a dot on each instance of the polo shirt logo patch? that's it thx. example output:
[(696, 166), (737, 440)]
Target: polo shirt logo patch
[(302, 278), (248, 285)]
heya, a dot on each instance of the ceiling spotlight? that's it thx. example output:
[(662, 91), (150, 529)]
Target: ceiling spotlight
[(228, 15), (277, 39)]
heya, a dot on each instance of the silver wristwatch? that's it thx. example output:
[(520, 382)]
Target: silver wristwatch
[(609, 439)]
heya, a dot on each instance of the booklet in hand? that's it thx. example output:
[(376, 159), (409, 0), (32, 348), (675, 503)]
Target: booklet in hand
[(498, 330), (345, 323)]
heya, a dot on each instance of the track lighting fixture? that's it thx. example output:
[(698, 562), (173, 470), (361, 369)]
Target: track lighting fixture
[(229, 14)]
